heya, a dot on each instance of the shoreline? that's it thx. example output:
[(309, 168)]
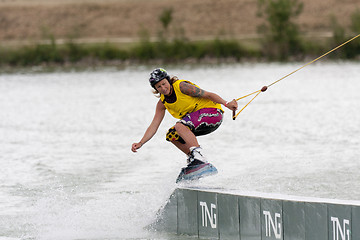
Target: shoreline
[(121, 65)]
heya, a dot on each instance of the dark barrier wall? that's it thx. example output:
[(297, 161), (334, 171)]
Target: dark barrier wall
[(218, 215)]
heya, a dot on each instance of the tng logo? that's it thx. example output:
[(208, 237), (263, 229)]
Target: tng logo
[(208, 216), (340, 231), (271, 224)]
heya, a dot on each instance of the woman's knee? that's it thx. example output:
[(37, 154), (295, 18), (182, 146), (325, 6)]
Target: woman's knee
[(180, 127), (172, 135)]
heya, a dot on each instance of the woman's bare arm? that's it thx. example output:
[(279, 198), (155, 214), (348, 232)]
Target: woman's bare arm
[(195, 91), (153, 127)]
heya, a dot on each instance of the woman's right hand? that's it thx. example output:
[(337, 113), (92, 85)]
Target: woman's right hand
[(151, 130), (136, 146)]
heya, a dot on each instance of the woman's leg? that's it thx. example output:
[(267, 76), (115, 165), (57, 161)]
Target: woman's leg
[(187, 138), (186, 134), (182, 146), (174, 137), (181, 135)]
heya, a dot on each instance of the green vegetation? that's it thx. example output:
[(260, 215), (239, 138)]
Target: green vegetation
[(165, 19), (169, 51), (341, 34), (281, 33), (281, 40)]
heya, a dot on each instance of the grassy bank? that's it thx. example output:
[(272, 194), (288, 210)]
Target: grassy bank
[(280, 39), (174, 51), (145, 51)]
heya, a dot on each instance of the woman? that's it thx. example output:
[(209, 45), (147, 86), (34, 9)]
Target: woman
[(199, 112)]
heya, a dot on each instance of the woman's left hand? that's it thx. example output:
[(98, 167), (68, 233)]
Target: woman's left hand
[(233, 105)]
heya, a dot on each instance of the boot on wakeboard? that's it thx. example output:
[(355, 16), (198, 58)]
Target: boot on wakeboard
[(197, 167)]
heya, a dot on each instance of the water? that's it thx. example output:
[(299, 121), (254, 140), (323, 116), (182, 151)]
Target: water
[(67, 171)]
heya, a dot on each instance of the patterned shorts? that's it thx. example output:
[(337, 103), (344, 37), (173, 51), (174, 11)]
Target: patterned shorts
[(201, 122)]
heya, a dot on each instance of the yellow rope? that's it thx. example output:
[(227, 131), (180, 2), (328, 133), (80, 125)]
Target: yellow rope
[(247, 95), (263, 90), (315, 59)]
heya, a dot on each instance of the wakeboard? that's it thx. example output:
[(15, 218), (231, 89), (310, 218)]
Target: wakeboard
[(195, 172)]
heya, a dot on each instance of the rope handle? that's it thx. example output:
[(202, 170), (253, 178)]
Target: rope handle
[(263, 89), (234, 115)]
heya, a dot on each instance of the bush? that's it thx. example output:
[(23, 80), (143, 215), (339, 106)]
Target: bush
[(281, 34), (107, 52), (340, 35), (355, 21), (36, 55)]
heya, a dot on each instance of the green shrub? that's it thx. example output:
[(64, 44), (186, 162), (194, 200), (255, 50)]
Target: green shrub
[(281, 34), (107, 51), (35, 55), (340, 35), (355, 21)]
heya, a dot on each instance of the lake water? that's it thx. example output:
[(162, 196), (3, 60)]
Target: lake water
[(67, 171)]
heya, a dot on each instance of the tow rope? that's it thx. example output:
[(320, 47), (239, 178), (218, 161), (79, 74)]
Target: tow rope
[(264, 88)]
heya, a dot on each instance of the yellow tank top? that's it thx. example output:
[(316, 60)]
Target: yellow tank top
[(186, 104)]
